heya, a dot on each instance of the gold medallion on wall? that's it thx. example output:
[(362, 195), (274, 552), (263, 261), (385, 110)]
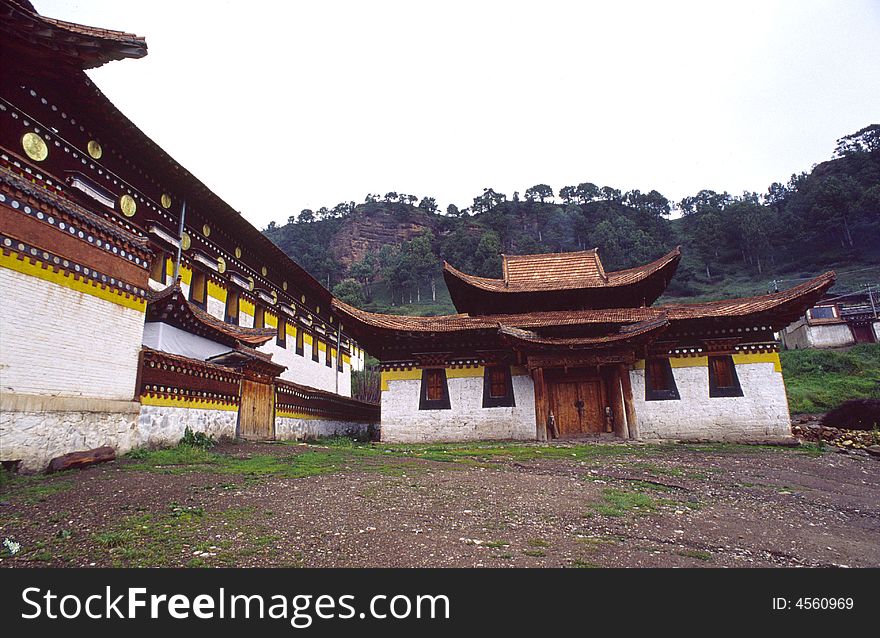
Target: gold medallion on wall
[(238, 252), (206, 230), (34, 147), (165, 200), (185, 241), (284, 285), (221, 265), (274, 296), (251, 283), (127, 205), (94, 149), (264, 271)]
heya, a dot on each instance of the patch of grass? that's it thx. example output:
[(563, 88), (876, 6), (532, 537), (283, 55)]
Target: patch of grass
[(579, 563), (496, 544), (535, 553), (696, 553), (34, 488), (620, 502), (180, 535), (538, 542), (819, 380)]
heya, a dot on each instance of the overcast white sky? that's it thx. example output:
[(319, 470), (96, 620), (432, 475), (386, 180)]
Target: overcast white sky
[(280, 106)]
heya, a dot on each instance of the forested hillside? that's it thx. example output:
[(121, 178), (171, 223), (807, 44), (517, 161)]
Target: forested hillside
[(386, 253)]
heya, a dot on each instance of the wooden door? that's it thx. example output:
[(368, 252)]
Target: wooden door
[(578, 407), (862, 332), (256, 414)]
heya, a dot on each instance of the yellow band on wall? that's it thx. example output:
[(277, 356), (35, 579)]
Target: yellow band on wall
[(67, 280), (197, 404), (738, 359)]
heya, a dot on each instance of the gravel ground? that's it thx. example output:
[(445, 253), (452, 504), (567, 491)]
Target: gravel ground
[(609, 505)]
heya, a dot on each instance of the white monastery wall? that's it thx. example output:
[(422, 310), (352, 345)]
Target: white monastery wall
[(466, 420), (830, 335), (760, 414), (62, 342), (877, 331)]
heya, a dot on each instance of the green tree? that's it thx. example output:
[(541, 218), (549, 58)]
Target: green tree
[(349, 291)]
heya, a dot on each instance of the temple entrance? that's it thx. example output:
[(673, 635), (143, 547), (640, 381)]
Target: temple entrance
[(256, 415), (578, 406)]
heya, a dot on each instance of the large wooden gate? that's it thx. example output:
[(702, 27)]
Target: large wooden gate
[(256, 414), (578, 407)]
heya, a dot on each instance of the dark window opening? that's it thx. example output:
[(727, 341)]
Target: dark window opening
[(340, 363), (232, 304), (281, 336), (328, 360), (259, 316), (198, 289), (300, 340), (158, 268), (497, 387), (316, 348), (434, 394), (659, 381), (723, 381)]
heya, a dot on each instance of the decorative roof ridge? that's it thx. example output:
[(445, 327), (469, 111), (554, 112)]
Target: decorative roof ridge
[(675, 253)]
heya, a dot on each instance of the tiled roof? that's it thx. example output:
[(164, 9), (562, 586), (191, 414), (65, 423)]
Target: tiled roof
[(626, 334), (788, 301), (90, 47), (221, 331), (561, 271)]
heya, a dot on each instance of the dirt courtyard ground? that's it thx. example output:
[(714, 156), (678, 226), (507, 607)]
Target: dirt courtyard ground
[(339, 504)]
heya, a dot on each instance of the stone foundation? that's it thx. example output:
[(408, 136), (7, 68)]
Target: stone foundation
[(36, 429), (160, 426), (300, 429)]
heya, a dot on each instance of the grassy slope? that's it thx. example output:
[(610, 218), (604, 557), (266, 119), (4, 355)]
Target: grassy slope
[(819, 380)]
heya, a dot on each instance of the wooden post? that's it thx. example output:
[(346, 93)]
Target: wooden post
[(628, 405), (541, 404), (615, 398)]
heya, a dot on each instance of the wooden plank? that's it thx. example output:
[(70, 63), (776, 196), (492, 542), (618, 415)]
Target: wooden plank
[(615, 396), (541, 404), (628, 404)]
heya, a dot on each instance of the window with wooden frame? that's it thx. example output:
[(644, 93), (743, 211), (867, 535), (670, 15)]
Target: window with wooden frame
[(340, 363), (434, 393), (158, 268), (232, 305), (659, 380), (497, 387), (198, 289), (723, 381), (259, 316), (316, 348), (300, 340), (328, 360), (823, 312), (281, 335)]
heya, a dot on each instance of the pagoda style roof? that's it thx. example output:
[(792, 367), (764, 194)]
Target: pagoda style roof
[(560, 281), (172, 307), (385, 335), (80, 45)]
